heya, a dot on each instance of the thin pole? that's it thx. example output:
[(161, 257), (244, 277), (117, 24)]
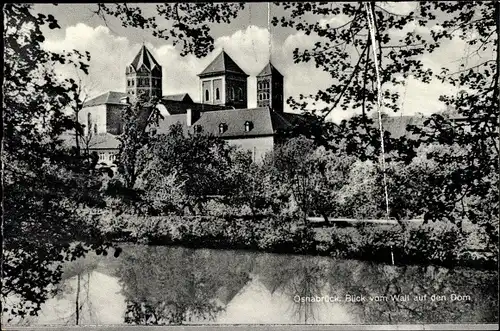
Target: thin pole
[(370, 19), (269, 27)]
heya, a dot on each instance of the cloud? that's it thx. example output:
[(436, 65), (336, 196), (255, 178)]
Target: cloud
[(109, 56), (249, 48)]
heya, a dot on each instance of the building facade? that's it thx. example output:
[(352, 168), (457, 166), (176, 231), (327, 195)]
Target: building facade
[(222, 111)]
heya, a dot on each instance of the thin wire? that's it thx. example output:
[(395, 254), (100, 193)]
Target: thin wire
[(269, 28), (370, 19)]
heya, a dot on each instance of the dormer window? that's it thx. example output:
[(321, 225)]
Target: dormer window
[(248, 126), (197, 128), (222, 128)]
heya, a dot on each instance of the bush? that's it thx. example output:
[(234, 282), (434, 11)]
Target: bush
[(438, 242)]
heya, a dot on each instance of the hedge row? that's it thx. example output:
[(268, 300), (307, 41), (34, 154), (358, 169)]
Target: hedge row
[(439, 244)]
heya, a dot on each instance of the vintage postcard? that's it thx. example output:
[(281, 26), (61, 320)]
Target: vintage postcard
[(260, 165)]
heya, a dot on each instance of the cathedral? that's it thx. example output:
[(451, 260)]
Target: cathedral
[(222, 111)]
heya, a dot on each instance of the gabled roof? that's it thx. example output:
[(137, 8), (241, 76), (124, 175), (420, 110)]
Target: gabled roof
[(107, 98), (264, 122), (175, 107), (222, 64), (184, 97), (269, 69), (144, 57)]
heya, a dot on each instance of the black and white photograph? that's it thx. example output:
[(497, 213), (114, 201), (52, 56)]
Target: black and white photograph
[(250, 166)]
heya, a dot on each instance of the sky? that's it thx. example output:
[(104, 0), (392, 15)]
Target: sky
[(246, 40)]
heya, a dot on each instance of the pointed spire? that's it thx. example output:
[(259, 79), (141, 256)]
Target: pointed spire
[(145, 58), (221, 65), (269, 69)]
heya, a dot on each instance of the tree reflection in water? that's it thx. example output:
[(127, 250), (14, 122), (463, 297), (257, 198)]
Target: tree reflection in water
[(166, 285), (319, 276), (169, 285)]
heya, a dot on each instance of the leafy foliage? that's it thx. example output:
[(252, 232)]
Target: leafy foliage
[(189, 23), (52, 197)]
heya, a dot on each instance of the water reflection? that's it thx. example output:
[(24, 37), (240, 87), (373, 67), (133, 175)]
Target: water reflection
[(171, 285), (175, 285)]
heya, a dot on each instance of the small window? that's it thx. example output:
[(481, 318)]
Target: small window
[(222, 128), (95, 128), (89, 121), (197, 128), (240, 94), (207, 95), (217, 94), (146, 82), (248, 126), (133, 82), (259, 85), (128, 82), (232, 93)]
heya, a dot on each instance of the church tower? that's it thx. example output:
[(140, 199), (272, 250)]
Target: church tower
[(144, 76), (223, 82), (270, 88)]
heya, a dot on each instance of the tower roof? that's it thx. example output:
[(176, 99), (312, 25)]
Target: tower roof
[(222, 64), (269, 69), (144, 57)]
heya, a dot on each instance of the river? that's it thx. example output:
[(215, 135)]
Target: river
[(174, 285)]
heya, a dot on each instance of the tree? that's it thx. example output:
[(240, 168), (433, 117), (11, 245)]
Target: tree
[(251, 187), (137, 119), (195, 163), (299, 171), (52, 201), (345, 52)]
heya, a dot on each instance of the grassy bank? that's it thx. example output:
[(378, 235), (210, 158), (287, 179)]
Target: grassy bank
[(440, 244)]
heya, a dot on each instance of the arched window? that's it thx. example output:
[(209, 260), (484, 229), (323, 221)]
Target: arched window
[(259, 85), (231, 93), (260, 96), (133, 82), (207, 95), (240, 94), (217, 94)]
